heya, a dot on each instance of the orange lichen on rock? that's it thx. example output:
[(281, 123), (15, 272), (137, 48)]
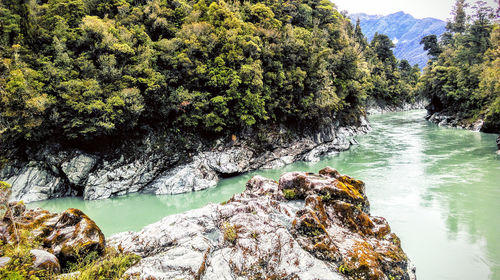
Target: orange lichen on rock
[(336, 210), (325, 185), (362, 262), (357, 184), (350, 190)]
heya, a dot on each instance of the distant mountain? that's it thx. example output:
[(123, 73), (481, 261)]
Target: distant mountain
[(405, 31)]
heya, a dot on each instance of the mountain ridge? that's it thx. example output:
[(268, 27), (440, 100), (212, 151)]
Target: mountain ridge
[(405, 30)]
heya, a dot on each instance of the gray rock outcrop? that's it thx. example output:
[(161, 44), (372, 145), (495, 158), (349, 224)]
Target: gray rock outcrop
[(78, 168), (453, 121), (34, 182), (162, 170), (375, 109), (307, 226)]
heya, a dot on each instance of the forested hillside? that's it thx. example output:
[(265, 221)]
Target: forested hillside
[(462, 78), (391, 82), (82, 70)]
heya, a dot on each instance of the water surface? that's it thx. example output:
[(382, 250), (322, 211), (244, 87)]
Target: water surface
[(439, 188)]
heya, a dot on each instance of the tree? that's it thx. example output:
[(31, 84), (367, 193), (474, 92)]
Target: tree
[(382, 47), (359, 36), (431, 45), (463, 79), (459, 21)]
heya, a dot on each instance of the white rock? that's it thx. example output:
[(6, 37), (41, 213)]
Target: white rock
[(78, 168)]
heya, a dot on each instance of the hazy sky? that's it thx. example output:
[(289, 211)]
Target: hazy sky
[(418, 8)]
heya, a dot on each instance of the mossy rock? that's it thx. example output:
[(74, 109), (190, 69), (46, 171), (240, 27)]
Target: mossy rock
[(67, 235)]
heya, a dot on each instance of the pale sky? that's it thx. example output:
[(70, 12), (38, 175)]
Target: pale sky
[(418, 8)]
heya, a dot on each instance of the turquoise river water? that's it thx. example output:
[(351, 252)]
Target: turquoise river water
[(439, 188)]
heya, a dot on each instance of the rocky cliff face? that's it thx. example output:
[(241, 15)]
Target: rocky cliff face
[(159, 167), (306, 226), (375, 109), (453, 121)]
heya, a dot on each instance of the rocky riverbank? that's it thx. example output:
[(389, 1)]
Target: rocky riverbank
[(306, 226), (498, 145), (375, 109), (37, 244), (453, 121), (159, 166)]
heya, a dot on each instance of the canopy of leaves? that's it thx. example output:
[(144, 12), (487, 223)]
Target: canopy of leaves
[(81, 70), (464, 78)]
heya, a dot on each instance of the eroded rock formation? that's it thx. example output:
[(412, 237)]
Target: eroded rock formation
[(160, 166), (306, 226)]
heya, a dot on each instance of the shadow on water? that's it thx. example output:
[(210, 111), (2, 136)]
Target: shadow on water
[(438, 187)]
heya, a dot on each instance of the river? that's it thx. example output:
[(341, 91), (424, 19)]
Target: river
[(438, 187)]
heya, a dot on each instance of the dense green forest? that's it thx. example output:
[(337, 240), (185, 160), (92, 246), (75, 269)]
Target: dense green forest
[(80, 70), (463, 76)]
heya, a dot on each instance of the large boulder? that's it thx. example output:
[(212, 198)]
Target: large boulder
[(190, 177), (306, 226), (67, 235), (78, 168), (33, 182)]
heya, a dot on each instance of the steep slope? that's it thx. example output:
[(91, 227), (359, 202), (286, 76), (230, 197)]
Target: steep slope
[(405, 31)]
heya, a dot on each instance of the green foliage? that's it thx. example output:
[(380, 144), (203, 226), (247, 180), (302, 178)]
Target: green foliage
[(464, 78), (289, 194), (458, 24), (82, 70), (391, 82), (5, 193), (430, 43), (21, 261), (230, 232), (112, 265)]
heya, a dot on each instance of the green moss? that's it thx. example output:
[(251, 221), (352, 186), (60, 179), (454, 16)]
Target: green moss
[(230, 232), (4, 185), (326, 197), (289, 194), (255, 235), (21, 261), (112, 265)]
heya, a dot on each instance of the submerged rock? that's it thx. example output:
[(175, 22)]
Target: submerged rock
[(306, 226)]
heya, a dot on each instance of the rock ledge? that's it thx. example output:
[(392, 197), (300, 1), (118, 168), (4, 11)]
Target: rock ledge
[(162, 167), (306, 226)]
